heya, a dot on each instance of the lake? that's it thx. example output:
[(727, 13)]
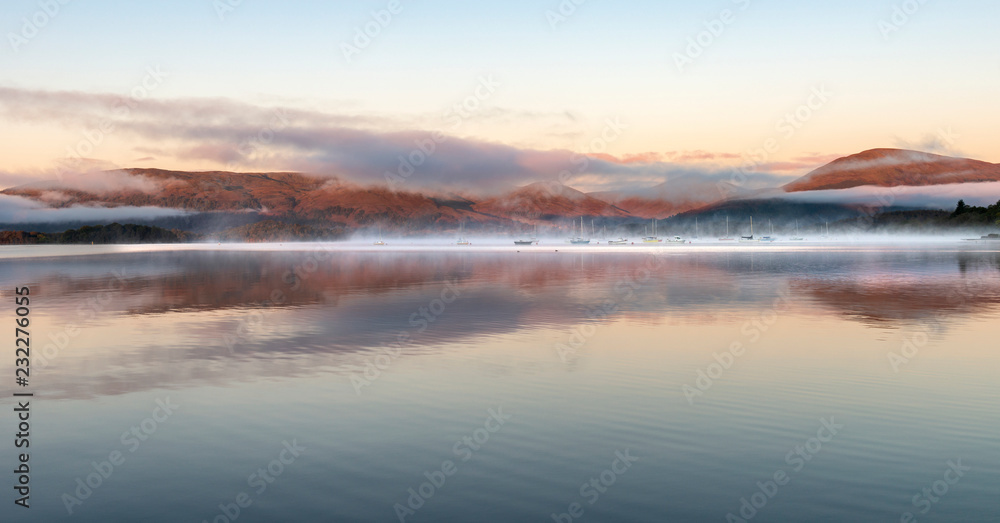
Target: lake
[(550, 383)]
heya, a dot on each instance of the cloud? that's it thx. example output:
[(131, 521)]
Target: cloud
[(897, 157), (941, 142), (102, 182), (363, 149), (9, 179), (16, 209), (801, 163), (701, 156), (927, 197)]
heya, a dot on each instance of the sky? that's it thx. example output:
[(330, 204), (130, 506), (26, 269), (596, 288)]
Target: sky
[(498, 93)]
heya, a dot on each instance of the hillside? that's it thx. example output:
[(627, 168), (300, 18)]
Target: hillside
[(543, 201), (895, 167), (216, 201), (101, 234), (274, 231)]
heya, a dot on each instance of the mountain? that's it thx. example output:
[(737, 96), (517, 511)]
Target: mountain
[(783, 215), (291, 196), (274, 231), (102, 234), (215, 201), (679, 194), (220, 199), (895, 167), (546, 201)]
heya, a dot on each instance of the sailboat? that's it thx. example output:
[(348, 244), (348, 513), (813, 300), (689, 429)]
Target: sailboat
[(380, 241), (749, 238), (461, 236), (769, 238), (580, 240), (697, 234), (653, 238), (727, 238), (619, 241), (532, 241), (797, 238)]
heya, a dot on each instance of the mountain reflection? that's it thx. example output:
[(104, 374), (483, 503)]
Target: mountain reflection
[(179, 318)]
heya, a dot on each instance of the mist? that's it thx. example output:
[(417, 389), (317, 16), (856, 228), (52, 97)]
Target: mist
[(16, 209)]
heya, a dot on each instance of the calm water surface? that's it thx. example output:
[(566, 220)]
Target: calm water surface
[(324, 385)]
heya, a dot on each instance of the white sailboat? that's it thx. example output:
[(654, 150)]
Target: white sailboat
[(461, 236), (619, 241), (580, 240), (797, 238), (380, 241), (769, 238), (653, 238), (727, 238)]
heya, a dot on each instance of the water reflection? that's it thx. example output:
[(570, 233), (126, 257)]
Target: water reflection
[(259, 347), (225, 316)]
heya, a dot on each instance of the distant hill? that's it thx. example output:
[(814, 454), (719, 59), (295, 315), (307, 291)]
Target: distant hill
[(544, 201), (274, 231), (678, 195), (241, 203), (895, 167), (782, 215), (101, 234)]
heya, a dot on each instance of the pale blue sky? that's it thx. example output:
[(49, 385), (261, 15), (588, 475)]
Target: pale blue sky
[(940, 70)]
